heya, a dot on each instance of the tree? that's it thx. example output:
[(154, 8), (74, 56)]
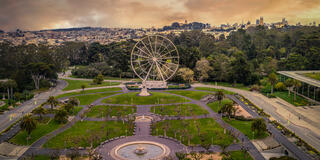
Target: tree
[(289, 84), (272, 78), (186, 74), (52, 101), (68, 107), (83, 86), (40, 110), (99, 79), (280, 86), (259, 125), (219, 95), (296, 85), (202, 68), (229, 109), (61, 116), (28, 124), (40, 71), (73, 101)]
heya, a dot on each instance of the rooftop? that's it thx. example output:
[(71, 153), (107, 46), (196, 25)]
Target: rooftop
[(298, 76)]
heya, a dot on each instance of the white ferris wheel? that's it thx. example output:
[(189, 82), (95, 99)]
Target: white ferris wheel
[(154, 59)]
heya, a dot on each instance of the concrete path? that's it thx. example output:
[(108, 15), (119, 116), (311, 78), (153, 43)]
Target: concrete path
[(270, 107)]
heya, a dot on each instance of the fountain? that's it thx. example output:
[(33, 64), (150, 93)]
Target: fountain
[(140, 150)]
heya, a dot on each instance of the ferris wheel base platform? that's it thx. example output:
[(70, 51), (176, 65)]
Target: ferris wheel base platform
[(144, 92)]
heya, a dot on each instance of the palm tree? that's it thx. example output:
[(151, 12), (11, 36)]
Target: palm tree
[(272, 78), (73, 101), (259, 125), (28, 124), (61, 116), (40, 110), (220, 95), (289, 84), (52, 101), (228, 109), (296, 85)]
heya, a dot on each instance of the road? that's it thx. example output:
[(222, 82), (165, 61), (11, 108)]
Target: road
[(267, 105), (12, 116), (275, 133)]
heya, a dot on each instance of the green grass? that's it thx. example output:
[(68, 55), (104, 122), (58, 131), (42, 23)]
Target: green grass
[(240, 155), (155, 98), (211, 130), (197, 95), (215, 105), (214, 90), (300, 101), (41, 130), (184, 109), (89, 91), (88, 99), (80, 134), (100, 111), (76, 110), (225, 84), (245, 128), (76, 84), (315, 76)]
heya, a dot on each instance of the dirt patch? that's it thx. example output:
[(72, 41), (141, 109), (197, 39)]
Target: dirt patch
[(242, 112)]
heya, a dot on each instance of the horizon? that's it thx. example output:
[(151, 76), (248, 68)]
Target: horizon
[(45, 15)]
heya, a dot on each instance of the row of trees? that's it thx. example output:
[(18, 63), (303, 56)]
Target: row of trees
[(244, 56)]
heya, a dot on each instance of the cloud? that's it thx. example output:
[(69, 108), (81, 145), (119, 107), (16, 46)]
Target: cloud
[(44, 14)]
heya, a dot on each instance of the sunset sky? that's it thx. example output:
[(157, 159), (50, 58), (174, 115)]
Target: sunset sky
[(48, 14)]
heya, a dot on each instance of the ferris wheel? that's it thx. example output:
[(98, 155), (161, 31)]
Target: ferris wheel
[(154, 58)]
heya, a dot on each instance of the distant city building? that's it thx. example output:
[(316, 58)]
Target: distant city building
[(261, 21)]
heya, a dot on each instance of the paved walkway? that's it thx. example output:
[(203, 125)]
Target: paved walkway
[(143, 131), (280, 113)]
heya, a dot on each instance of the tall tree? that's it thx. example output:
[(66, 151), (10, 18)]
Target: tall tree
[(40, 110), (219, 95), (272, 78), (202, 68), (259, 125), (52, 101), (40, 71), (28, 124), (296, 85), (289, 84)]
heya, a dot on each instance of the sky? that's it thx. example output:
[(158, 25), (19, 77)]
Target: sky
[(51, 14)]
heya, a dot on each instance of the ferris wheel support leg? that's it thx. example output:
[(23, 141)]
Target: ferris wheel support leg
[(144, 90)]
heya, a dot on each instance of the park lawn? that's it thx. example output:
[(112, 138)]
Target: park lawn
[(215, 105), (245, 128), (300, 101), (225, 84), (89, 91), (155, 98), (315, 76), (197, 95), (76, 110), (88, 99), (214, 90), (81, 133), (239, 155), (211, 130), (76, 84), (184, 109), (101, 111), (41, 130)]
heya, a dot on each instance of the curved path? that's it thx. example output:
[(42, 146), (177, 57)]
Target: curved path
[(270, 107), (143, 132)]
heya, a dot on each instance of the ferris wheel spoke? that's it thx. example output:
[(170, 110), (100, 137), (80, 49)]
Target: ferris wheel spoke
[(167, 67), (155, 45), (144, 51), (160, 46), (169, 63), (139, 55), (150, 53), (168, 58), (168, 53), (163, 73), (150, 44), (149, 72), (159, 70)]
